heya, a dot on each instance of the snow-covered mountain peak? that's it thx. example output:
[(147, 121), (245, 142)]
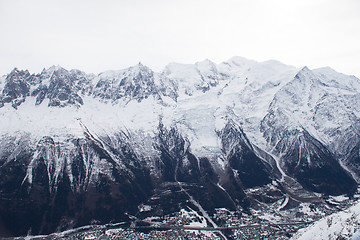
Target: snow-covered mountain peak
[(193, 78), (240, 61), (139, 68), (206, 65), (205, 61), (325, 70), (16, 87), (130, 72), (53, 68), (304, 72), (276, 66), (134, 83), (15, 73), (331, 78), (54, 72), (15, 70), (140, 65)]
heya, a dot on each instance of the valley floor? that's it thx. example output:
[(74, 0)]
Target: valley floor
[(332, 219)]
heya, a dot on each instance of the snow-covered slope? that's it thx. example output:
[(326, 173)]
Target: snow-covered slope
[(219, 129), (342, 225)]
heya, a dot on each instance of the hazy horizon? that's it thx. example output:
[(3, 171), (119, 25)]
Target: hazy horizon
[(95, 36)]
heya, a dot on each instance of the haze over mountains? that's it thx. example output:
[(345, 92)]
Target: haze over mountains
[(78, 148)]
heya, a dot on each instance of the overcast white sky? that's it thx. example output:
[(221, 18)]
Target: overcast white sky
[(98, 35)]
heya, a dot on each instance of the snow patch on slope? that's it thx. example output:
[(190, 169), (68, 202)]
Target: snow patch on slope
[(41, 120)]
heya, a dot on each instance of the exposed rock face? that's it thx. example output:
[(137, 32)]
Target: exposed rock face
[(61, 87), (16, 87), (77, 148)]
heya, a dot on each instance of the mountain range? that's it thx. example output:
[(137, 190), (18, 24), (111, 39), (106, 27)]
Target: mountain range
[(78, 148)]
